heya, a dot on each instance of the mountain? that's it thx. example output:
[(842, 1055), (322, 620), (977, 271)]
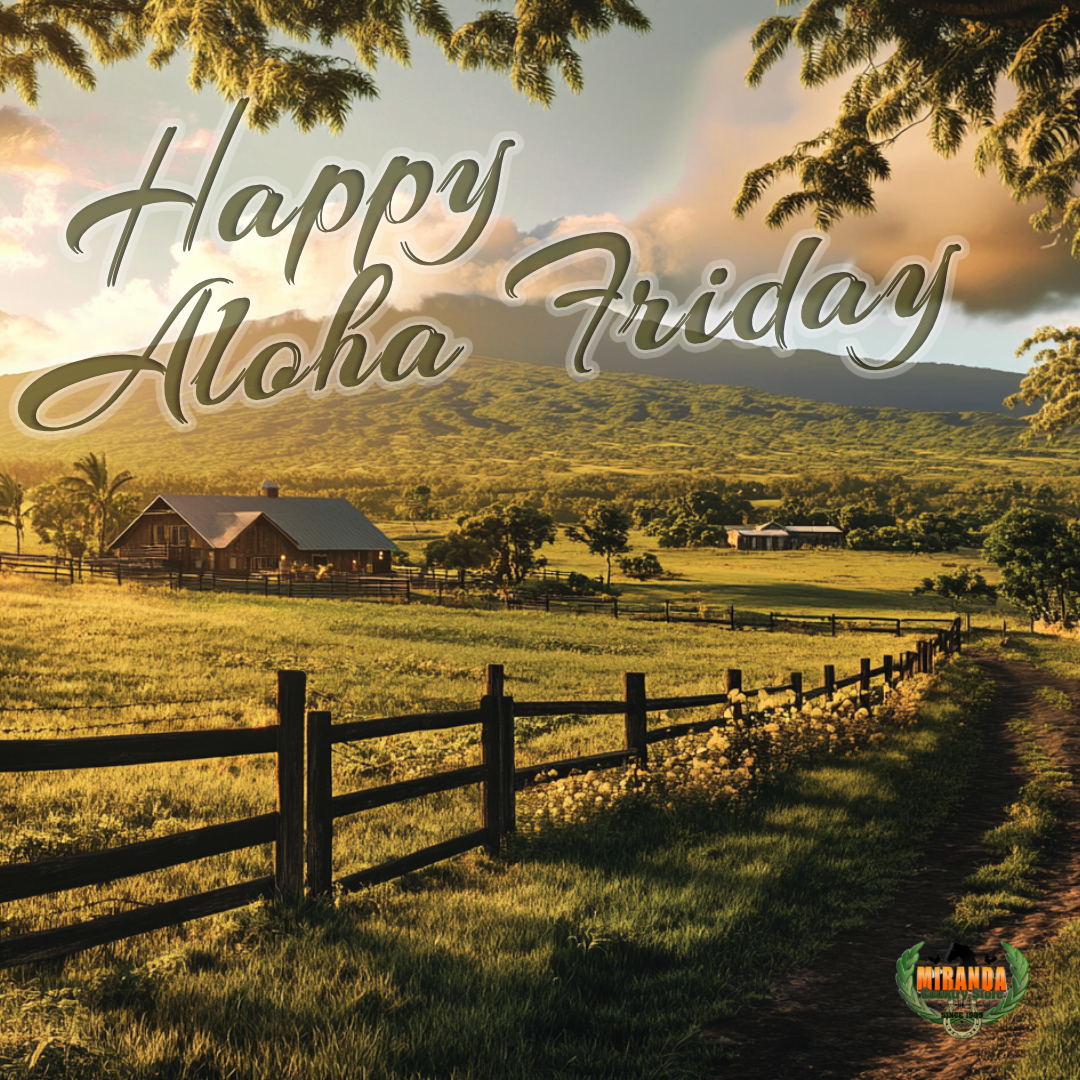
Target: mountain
[(496, 416), (529, 333)]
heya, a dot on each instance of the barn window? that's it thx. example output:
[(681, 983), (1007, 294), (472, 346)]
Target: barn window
[(159, 532), (232, 562), (319, 560)]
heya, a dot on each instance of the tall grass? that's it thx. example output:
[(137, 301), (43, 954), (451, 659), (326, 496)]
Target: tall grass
[(597, 949)]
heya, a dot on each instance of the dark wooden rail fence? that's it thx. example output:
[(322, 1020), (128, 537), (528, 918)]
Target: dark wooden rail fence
[(406, 582), (501, 778), (284, 828), (303, 837)]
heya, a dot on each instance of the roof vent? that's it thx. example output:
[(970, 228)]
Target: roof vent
[(269, 489)]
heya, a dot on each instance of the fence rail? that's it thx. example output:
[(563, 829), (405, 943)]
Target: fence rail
[(406, 583), (303, 836)]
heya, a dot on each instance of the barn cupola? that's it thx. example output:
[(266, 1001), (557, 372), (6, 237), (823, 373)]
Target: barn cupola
[(269, 489)]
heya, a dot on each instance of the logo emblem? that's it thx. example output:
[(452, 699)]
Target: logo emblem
[(971, 991)]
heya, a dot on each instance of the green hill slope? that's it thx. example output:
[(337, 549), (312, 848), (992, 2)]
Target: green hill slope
[(495, 414)]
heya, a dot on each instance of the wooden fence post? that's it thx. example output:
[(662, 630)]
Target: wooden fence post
[(634, 696), (832, 623), (494, 800), (733, 681), (898, 628), (732, 616), (615, 606), (958, 637), (667, 611), (864, 681), (828, 673), (289, 850), (796, 686), (887, 664), (320, 790)]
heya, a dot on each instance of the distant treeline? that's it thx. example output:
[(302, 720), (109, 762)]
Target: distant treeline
[(881, 511)]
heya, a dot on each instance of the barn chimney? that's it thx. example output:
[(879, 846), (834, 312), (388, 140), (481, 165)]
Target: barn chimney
[(269, 489)]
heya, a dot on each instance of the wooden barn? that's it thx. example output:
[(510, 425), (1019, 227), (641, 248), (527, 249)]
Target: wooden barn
[(264, 532), (773, 537)]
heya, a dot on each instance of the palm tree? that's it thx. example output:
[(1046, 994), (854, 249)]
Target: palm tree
[(97, 491), (12, 506)]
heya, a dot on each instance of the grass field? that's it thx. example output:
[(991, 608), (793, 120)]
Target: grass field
[(597, 949), (806, 581), (495, 417)]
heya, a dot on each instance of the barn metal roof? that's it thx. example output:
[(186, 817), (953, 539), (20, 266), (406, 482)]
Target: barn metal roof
[(313, 524), (772, 529)]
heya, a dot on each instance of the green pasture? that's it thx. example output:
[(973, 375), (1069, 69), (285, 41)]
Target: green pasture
[(808, 581), (596, 949)]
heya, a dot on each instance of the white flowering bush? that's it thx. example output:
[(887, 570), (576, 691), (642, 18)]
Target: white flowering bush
[(727, 761)]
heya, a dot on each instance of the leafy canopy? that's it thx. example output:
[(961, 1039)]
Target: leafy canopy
[(945, 64), (605, 530), (1039, 557), (236, 46), (500, 539), (963, 589)]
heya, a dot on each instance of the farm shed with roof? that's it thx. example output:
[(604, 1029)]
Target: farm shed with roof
[(773, 537), (262, 532)]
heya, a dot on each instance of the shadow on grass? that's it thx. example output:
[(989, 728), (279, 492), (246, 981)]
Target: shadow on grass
[(596, 950)]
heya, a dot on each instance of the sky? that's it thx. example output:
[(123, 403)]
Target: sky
[(657, 143)]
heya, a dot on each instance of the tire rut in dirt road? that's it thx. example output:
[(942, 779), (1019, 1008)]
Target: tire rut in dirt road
[(844, 1019)]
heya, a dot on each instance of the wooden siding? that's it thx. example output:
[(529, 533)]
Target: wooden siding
[(258, 547)]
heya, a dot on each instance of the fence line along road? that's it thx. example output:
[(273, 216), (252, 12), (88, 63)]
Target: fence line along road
[(403, 587), (305, 837)]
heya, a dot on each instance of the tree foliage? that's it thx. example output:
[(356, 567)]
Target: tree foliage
[(259, 48), (1039, 557), (697, 519), (605, 531), (964, 589), (1004, 71), (13, 509), (100, 494), (641, 567), (926, 533), (501, 539), (62, 520)]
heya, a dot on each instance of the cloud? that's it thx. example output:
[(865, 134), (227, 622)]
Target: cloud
[(117, 320), (24, 140), (1008, 272)]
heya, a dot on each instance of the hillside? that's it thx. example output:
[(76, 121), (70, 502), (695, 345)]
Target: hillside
[(497, 414), (530, 334)]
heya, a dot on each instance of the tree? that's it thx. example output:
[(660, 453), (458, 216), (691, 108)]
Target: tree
[(457, 552), (239, 49), (641, 567), (1039, 557), (417, 504), (943, 63), (13, 507), (605, 531), (964, 590), (697, 519), (509, 536), (62, 520), (100, 495)]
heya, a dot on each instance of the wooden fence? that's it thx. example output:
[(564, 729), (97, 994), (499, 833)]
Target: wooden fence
[(405, 583), (47, 566), (290, 739), (284, 827)]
